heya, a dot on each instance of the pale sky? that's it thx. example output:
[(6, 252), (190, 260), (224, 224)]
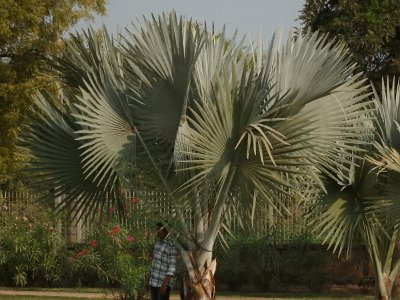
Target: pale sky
[(249, 17)]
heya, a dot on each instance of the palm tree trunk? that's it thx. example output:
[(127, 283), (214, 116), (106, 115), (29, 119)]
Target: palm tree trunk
[(396, 289), (199, 281), (383, 286)]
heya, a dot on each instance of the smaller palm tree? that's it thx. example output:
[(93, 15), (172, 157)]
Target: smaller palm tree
[(363, 205)]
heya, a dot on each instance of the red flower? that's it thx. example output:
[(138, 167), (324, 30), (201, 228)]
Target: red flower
[(94, 243), (130, 238), (116, 229), (135, 200), (83, 252), (111, 210)]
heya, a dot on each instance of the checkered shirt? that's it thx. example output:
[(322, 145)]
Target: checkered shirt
[(164, 262)]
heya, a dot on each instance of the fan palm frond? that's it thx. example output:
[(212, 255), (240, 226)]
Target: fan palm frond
[(341, 216), (244, 124), (163, 53), (107, 130), (84, 56), (388, 106), (56, 159), (309, 66), (385, 157), (373, 182)]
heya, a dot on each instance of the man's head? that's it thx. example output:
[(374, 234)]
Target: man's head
[(162, 232)]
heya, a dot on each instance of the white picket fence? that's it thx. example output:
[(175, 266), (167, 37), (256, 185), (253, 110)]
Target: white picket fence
[(282, 228)]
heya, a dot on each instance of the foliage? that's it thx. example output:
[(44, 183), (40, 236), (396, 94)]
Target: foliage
[(225, 130), (369, 28), (119, 254), (126, 124), (364, 204), (31, 247), (257, 255), (284, 265), (30, 30)]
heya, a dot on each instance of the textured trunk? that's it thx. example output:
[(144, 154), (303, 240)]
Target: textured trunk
[(386, 264), (384, 287), (396, 289), (198, 281), (197, 252)]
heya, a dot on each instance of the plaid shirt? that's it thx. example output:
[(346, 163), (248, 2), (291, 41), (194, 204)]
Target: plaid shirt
[(164, 262)]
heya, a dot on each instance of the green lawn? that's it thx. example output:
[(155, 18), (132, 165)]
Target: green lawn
[(89, 293), (4, 297), (290, 296), (225, 296)]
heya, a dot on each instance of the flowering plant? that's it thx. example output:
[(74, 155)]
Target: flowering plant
[(119, 254), (31, 249)]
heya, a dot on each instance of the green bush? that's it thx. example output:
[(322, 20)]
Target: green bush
[(119, 255), (248, 262), (262, 264), (32, 251)]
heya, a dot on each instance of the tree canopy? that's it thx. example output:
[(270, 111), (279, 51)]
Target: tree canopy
[(29, 31), (370, 28)]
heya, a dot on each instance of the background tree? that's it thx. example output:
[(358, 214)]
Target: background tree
[(370, 28), (29, 31)]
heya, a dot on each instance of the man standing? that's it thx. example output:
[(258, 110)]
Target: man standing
[(164, 265)]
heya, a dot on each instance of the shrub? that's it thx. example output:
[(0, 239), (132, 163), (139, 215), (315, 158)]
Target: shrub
[(248, 262), (261, 264), (32, 251), (119, 255)]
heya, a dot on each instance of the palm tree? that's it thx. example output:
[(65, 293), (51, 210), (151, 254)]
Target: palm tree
[(364, 204), (220, 127)]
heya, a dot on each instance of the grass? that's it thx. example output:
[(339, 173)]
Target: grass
[(221, 296), (43, 289), (233, 297), (229, 296), (4, 297), (49, 293)]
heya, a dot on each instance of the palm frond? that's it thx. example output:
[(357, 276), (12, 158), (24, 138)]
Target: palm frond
[(164, 52), (84, 56), (56, 159), (309, 66), (386, 157), (338, 218), (275, 146), (387, 166), (368, 201), (107, 131), (388, 107)]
